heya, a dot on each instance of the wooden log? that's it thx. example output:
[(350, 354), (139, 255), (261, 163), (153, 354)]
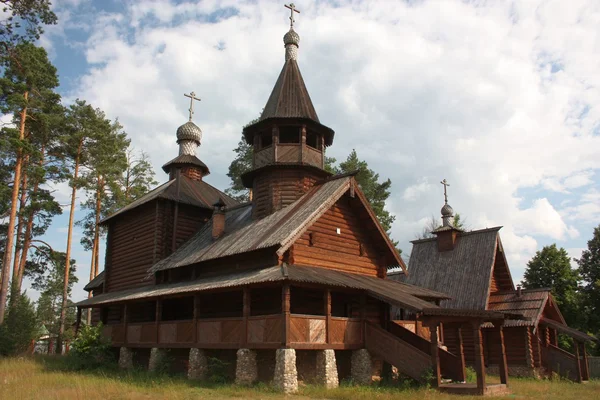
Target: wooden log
[(479, 362), (585, 367), (503, 366), (578, 362), (461, 354), (285, 307)]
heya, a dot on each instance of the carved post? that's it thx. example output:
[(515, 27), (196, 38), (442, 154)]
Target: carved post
[(246, 314), (327, 316), (503, 367), (479, 363), (435, 353), (461, 355), (285, 307)]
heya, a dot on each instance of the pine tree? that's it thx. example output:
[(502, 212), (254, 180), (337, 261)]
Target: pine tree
[(589, 268), (20, 327), (241, 164), (27, 86), (136, 180), (551, 268)]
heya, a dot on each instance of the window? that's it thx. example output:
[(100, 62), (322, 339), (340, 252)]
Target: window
[(180, 308), (265, 140), (289, 134), (312, 140)]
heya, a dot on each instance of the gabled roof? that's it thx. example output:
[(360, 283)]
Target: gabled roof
[(530, 303), (190, 191), (464, 272), (278, 231), (95, 283), (395, 293), (289, 98)]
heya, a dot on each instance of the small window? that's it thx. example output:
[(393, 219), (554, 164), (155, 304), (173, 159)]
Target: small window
[(312, 140), (289, 134), (266, 140)]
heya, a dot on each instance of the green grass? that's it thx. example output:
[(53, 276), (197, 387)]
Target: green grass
[(48, 378)]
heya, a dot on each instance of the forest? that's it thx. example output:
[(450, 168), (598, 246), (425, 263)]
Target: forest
[(45, 143)]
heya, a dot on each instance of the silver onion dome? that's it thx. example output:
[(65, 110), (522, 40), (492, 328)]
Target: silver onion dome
[(291, 37), (447, 211), (189, 131)]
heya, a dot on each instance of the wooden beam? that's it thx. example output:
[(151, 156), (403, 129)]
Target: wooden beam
[(503, 367), (479, 363), (435, 356), (78, 323), (285, 307), (245, 315), (157, 314), (578, 362), (585, 368), (196, 315), (461, 354), (327, 300), (361, 314)]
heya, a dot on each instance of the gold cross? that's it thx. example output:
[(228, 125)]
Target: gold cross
[(192, 97), (292, 8), (446, 184)]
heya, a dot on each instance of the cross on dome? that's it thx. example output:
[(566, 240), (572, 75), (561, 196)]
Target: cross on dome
[(192, 97), (446, 184), (292, 8)]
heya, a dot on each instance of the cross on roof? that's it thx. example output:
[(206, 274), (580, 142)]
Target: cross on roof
[(446, 184), (292, 8), (192, 97)]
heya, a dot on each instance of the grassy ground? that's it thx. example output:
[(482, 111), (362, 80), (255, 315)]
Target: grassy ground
[(46, 378)]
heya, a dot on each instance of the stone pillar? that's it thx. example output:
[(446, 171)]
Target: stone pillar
[(286, 374), (198, 364), (125, 358), (157, 357), (246, 371), (361, 367), (327, 368)]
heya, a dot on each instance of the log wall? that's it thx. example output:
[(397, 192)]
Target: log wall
[(351, 250)]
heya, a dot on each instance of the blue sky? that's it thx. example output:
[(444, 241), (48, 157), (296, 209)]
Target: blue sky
[(500, 98)]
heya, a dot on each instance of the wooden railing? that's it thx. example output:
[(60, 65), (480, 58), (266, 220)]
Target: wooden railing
[(265, 331), (560, 361), (450, 364), (289, 153), (409, 360)]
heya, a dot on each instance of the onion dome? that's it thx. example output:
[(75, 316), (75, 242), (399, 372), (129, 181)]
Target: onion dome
[(447, 211), (291, 41), (189, 131)]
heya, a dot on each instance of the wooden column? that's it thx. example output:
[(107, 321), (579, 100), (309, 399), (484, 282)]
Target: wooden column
[(585, 368), (275, 138), (196, 314), (245, 314), (157, 314), (479, 364), (435, 354), (125, 323), (302, 142), (577, 361), (327, 315), (285, 307), (78, 322), (461, 354), (362, 313), (503, 366)]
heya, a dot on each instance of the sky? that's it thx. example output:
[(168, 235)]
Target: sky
[(501, 98)]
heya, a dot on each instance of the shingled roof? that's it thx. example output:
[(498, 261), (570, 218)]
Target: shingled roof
[(464, 273), (193, 192), (279, 230), (401, 295), (289, 98), (95, 283), (530, 303)]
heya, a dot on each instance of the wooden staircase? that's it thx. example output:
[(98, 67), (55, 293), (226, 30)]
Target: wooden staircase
[(408, 352)]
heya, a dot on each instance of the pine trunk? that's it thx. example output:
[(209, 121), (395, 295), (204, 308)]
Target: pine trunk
[(20, 225), (11, 220), (63, 309), (29, 228)]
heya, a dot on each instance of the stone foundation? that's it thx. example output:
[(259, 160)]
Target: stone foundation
[(327, 373), (125, 358), (198, 365), (517, 371), (157, 358), (286, 375), (246, 371), (361, 367)]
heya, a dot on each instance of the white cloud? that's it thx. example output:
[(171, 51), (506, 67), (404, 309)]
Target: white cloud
[(495, 97)]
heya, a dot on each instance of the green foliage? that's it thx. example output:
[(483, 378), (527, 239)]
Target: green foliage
[(241, 164), (551, 268), (90, 350), (471, 375), (20, 326), (217, 370), (589, 269), (22, 20)]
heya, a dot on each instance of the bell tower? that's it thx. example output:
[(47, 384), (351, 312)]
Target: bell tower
[(288, 140)]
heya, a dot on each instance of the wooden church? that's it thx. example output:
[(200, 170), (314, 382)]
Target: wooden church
[(289, 286), (471, 267)]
